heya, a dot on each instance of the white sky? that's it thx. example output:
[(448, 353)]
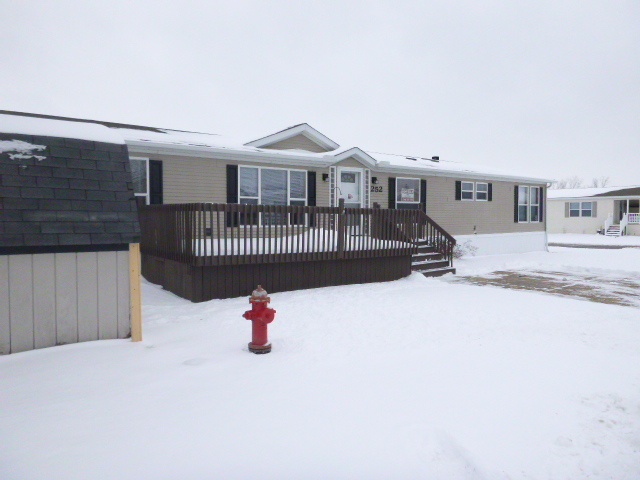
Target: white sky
[(550, 88)]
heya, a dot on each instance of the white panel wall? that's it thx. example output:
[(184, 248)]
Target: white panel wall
[(54, 299)]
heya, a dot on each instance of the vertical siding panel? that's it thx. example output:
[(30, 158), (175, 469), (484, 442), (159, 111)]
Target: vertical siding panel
[(87, 296), (21, 294), (44, 300), (124, 297), (5, 326), (107, 296), (66, 298)]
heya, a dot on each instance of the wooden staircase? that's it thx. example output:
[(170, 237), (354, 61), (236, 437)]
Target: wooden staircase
[(428, 261)]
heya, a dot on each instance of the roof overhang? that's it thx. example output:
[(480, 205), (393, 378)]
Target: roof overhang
[(358, 154), (302, 129)]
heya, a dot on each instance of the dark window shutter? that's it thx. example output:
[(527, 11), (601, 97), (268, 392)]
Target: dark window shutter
[(490, 194), (423, 195), (458, 190), (515, 203), (232, 193), (594, 209), (155, 182), (311, 195), (542, 197), (311, 189), (566, 210), (232, 184), (392, 192)]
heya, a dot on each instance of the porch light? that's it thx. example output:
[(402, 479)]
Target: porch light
[(374, 180), (325, 177)]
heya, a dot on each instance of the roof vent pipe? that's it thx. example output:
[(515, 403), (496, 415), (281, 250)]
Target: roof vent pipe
[(435, 159)]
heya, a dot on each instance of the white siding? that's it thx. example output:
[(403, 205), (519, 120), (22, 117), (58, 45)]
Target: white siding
[(54, 299)]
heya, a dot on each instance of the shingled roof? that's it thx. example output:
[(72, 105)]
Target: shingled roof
[(68, 193)]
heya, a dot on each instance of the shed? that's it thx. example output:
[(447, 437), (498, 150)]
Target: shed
[(69, 235)]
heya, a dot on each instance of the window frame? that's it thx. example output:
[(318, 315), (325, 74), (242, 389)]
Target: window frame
[(486, 192), (398, 202), (590, 209), (288, 185), (531, 204), (577, 210), (147, 195), (526, 204), (462, 191)]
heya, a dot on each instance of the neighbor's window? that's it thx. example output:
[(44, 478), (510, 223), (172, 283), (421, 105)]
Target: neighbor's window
[(140, 177), (523, 204), (467, 191), (587, 209), (535, 203), (574, 209), (482, 191), (407, 193)]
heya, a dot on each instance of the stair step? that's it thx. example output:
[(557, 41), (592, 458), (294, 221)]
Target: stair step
[(418, 257), (428, 265), (438, 272)]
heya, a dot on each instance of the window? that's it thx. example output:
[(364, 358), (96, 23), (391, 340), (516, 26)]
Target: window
[(523, 204), (272, 186), (467, 190), (574, 209), (535, 203), (587, 209), (482, 191), (140, 177), (407, 193)]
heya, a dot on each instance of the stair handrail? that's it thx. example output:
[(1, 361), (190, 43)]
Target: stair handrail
[(445, 243), (608, 222), (623, 224)]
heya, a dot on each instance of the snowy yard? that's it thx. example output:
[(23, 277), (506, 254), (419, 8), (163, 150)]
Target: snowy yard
[(412, 379), (594, 239)]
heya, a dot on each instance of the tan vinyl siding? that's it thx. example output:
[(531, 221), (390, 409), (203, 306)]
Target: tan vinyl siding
[(189, 180), (298, 142), (459, 217)]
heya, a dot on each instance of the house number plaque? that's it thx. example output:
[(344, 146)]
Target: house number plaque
[(376, 188)]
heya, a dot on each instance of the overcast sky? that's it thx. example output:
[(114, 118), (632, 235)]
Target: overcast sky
[(549, 88)]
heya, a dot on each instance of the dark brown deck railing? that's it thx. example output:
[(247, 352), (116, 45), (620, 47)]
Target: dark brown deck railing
[(236, 234)]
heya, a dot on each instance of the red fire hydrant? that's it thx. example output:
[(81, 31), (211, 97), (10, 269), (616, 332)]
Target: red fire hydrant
[(260, 315)]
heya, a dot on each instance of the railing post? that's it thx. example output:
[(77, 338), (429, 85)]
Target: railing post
[(341, 227)]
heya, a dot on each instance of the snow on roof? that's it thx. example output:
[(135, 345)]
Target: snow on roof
[(22, 125), (584, 192), (430, 165), (32, 124)]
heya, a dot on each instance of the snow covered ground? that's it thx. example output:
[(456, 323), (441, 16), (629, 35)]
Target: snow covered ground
[(412, 379), (594, 239)]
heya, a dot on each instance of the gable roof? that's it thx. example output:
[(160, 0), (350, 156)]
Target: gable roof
[(300, 129), (151, 140), (594, 192)]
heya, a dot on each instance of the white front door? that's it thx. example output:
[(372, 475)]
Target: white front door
[(350, 187)]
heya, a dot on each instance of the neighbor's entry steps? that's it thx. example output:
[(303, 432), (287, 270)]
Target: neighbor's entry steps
[(429, 262), (613, 231)]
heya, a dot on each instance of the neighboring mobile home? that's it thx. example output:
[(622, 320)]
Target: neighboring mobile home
[(610, 210)]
